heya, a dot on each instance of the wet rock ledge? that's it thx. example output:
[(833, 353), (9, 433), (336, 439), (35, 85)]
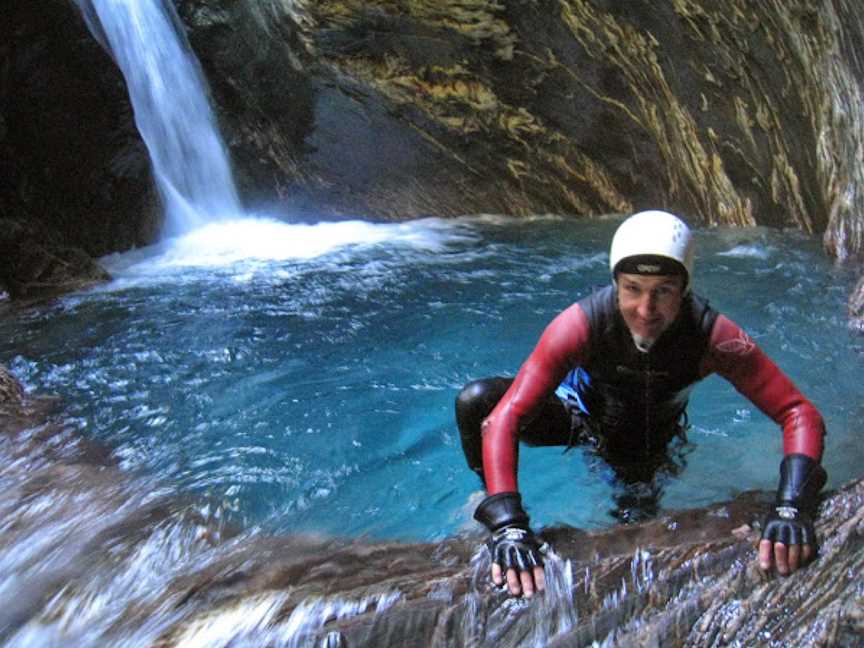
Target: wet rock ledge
[(122, 560)]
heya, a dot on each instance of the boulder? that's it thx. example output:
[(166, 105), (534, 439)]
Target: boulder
[(37, 266), (856, 306)]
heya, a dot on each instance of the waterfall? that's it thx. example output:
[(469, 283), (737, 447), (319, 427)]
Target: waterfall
[(172, 112)]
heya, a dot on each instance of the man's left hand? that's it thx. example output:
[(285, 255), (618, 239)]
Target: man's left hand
[(517, 554), (788, 540)]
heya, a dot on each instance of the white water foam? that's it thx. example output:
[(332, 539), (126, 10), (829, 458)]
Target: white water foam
[(233, 243), (748, 251)]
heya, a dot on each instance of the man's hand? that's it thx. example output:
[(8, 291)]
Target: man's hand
[(788, 540), (788, 537), (517, 551)]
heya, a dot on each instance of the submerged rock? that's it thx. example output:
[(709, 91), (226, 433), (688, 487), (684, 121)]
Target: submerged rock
[(856, 306), (121, 560)]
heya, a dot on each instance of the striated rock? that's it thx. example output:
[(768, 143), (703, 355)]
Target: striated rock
[(744, 114), (840, 166), (661, 584), (740, 115), (121, 560)]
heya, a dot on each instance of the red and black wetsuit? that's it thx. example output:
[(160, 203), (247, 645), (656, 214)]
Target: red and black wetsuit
[(634, 398)]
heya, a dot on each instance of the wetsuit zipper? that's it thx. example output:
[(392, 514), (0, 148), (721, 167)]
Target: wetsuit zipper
[(646, 364)]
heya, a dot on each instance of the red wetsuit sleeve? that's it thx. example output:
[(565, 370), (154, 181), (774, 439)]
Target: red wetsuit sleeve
[(734, 355), (561, 347)]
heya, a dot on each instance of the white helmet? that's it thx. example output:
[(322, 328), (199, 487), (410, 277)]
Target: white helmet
[(646, 242)]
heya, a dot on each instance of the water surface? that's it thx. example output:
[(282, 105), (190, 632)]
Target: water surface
[(301, 377)]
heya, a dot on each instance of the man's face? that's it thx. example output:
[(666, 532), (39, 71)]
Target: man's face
[(649, 304)]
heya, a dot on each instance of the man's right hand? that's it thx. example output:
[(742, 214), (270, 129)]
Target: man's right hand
[(517, 553)]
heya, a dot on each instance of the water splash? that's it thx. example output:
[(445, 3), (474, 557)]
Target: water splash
[(172, 112), (642, 570), (751, 251), (538, 620), (256, 622), (555, 612), (241, 245)]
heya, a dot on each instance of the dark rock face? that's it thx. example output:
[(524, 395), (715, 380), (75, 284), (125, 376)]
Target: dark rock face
[(856, 307), (121, 560), (75, 179), (38, 265)]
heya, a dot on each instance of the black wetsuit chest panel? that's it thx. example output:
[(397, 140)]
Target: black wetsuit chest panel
[(636, 397)]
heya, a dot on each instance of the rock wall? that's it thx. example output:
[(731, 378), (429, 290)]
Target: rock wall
[(74, 174), (735, 113)]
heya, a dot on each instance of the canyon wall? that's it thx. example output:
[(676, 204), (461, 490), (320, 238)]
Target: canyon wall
[(734, 113)]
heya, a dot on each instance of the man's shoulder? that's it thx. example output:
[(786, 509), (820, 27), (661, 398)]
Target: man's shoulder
[(702, 315), (601, 298), (600, 307)]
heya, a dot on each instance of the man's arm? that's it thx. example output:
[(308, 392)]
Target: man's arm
[(788, 536), (734, 355), (516, 552), (561, 347)]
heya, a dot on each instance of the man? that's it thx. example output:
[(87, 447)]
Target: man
[(616, 368)]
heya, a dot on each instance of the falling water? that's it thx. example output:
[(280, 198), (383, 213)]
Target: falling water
[(169, 98)]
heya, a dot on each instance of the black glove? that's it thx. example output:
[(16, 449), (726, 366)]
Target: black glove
[(513, 545), (791, 521)]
